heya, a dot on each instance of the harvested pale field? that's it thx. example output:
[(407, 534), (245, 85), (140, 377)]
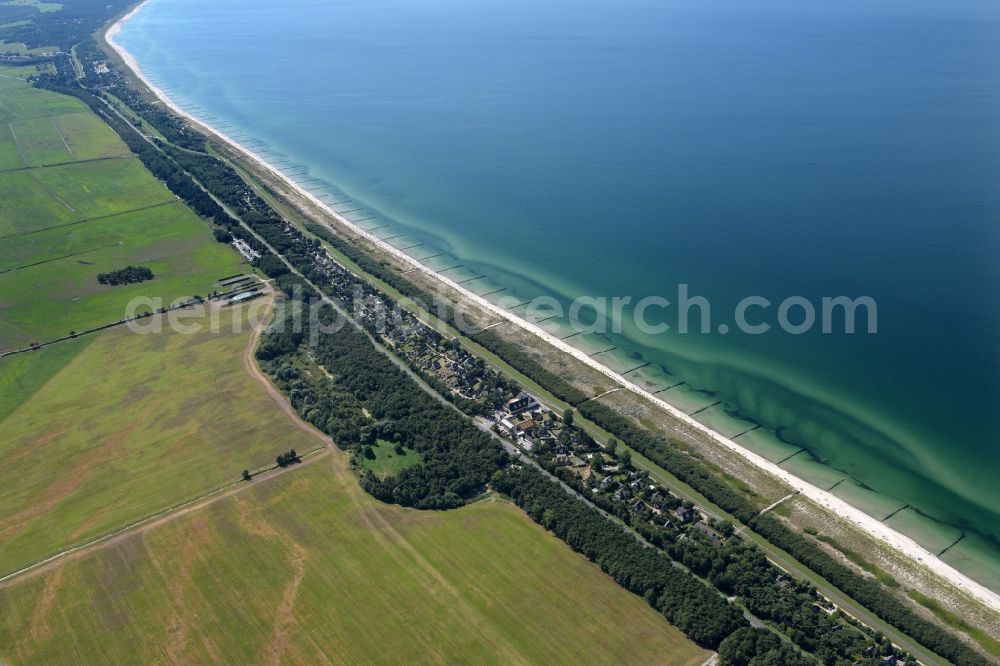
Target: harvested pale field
[(307, 568)]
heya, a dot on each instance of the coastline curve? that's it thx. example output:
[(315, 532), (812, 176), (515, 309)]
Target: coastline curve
[(896, 540)]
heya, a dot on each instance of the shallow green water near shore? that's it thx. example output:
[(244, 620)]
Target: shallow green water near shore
[(620, 149)]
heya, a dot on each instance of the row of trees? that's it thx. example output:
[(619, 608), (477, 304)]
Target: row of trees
[(529, 367)]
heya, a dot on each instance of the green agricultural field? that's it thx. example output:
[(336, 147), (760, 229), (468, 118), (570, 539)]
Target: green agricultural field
[(24, 71), (308, 564), (66, 138), (94, 189), (36, 199), (49, 300), (25, 206), (137, 229), (23, 101), (39, 141), (12, 78), (10, 156), (89, 137), (132, 424), (387, 462), (22, 375), (20, 49), (49, 140)]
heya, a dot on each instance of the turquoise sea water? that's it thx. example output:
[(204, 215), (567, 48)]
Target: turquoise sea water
[(743, 148)]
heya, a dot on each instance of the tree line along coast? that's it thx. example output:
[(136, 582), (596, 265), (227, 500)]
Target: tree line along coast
[(278, 241)]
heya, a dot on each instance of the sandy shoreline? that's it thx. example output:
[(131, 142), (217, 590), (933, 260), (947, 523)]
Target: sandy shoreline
[(839, 507)]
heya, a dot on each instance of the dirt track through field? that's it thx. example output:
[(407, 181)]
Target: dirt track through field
[(197, 503), (279, 398)]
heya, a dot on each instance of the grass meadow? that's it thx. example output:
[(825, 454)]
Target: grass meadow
[(22, 72), (88, 137), (66, 138), (49, 300), (308, 564), (20, 101), (10, 156), (387, 462), (39, 142)]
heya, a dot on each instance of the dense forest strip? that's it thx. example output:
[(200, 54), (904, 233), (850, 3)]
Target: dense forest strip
[(869, 592), (688, 604)]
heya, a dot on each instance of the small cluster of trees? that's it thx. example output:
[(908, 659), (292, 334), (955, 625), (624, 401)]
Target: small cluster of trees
[(127, 275), (288, 458)]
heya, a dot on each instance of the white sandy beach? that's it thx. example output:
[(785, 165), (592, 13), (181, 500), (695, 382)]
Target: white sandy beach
[(837, 506)]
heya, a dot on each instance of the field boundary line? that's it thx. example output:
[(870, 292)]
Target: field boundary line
[(17, 143), (163, 515), (67, 256), (27, 167), (89, 219), (62, 136), (103, 327)]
